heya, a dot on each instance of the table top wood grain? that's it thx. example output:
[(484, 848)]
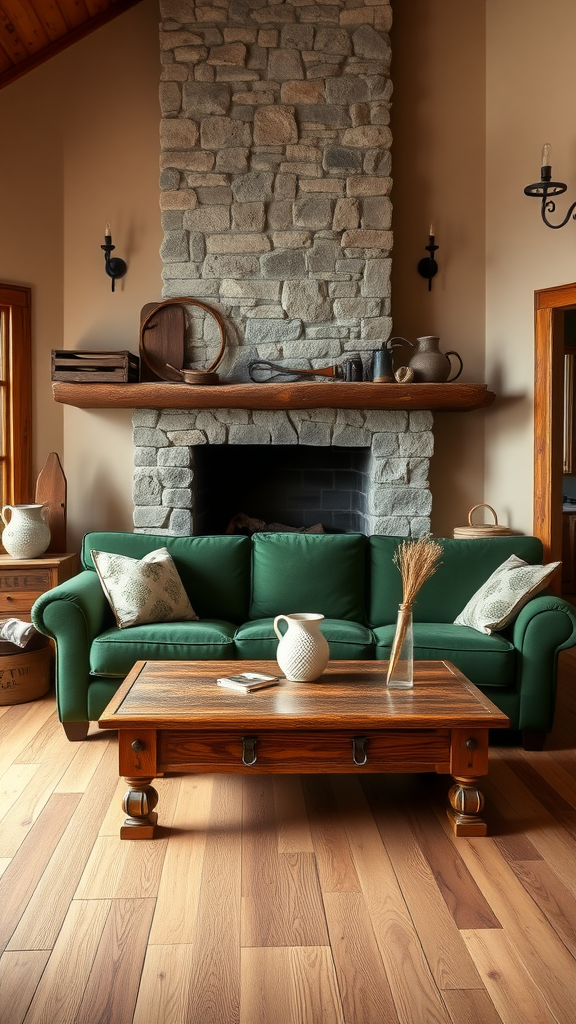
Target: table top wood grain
[(349, 694)]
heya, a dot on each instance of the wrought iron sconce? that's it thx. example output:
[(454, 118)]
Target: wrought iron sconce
[(546, 190), (427, 266), (115, 267)]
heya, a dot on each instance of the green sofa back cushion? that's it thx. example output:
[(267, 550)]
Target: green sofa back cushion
[(466, 565), (215, 571), (296, 572)]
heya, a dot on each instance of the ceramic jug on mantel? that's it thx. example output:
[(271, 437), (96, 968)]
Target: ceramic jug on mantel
[(430, 365)]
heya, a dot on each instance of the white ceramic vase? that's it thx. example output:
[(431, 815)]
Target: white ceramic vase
[(303, 651), (26, 533)]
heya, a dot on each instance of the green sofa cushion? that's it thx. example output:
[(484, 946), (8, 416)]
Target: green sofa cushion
[(295, 572), (466, 565), (115, 651), (348, 640), (487, 660), (215, 571)]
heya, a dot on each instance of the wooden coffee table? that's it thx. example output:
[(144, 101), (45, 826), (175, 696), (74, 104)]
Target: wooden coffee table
[(172, 717)]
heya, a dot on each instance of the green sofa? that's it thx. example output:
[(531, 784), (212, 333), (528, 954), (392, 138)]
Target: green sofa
[(238, 584)]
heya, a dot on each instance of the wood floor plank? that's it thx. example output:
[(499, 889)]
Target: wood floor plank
[(510, 986), (471, 1007), (12, 785), (20, 880), (4, 862), (551, 770), (438, 932), (181, 878), (214, 992), (291, 815), (61, 987), (20, 973), (17, 739), (535, 942), (50, 737), (281, 897), (335, 865), (290, 986), (81, 769), (164, 985), (555, 804), (553, 899), (119, 869), (416, 997), (48, 906), (364, 988), (112, 989), (29, 805)]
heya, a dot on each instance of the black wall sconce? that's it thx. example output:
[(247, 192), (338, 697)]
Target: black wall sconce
[(427, 266), (546, 189), (115, 267)]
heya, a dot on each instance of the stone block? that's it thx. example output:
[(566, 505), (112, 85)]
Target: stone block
[(321, 258), (215, 431), (190, 55), (302, 92), (323, 70), (180, 523), (418, 470), (177, 497), (239, 35), (145, 456), (208, 218), (331, 186), (257, 58), (333, 40), (420, 526), (417, 445), (169, 179), (312, 212), (205, 98), (178, 133), (389, 500), (264, 290), (376, 280), (389, 526), (186, 437), (150, 437), (390, 471), (394, 421), (201, 289), (184, 160), (232, 415), (249, 433), (302, 153), (347, 89), (175, 476), (297, 37), (283, 266), (331, 115), (146, 487), (174, 247), (204, 73), (214, 196), (342, 289), (285, 186), (300, 416), (360, 114), (368, 186), (275, 126), (277, 331), (270, 312), (268, 37), (255, 186), (145, 418), (228, 55), (178, 199), (281, 13), (421, 419), (277, 424), (385, 445), (233, 160), (317, 14), (177, 419), (377, 328), (230, 266), (376, 212), (224, 133), (291, 239), (197, 246), (350, 309), (285, 65), (170, 40), (305, 300), (314, 433), (370, 44), (170, 98), (237, 243), (363, 239), (346, 216), (150, 516), (248, 216), (368, 135), (341, 158), (175, 457), (279, 215)]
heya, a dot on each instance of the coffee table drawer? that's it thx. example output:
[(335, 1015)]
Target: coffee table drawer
[(410, 750)]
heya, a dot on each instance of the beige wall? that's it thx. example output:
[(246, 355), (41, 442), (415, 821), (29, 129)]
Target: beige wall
[(80, 148), (473, 103)]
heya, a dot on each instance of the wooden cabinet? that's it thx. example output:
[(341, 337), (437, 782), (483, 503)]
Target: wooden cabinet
[(569, 552), (23, 580)]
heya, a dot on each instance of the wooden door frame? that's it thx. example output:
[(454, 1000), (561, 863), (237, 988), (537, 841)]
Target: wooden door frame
[(549, 305)]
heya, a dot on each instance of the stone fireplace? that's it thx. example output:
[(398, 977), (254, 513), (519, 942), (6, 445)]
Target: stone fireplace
[(275, 198)]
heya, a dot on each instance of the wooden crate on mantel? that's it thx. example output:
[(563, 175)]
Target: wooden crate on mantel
[(81, 367)]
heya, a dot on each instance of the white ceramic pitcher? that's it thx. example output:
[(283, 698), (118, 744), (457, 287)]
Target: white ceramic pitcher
[(303, 651), (26, 533)]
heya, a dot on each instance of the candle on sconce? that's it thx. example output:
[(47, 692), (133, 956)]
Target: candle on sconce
[(546, 151), (107, 231), (431, 232)]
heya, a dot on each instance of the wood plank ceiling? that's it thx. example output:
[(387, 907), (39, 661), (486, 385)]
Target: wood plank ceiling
[(32, 31)]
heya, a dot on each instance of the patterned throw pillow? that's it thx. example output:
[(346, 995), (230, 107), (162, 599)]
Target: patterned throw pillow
[(143, 590), (505, 592)]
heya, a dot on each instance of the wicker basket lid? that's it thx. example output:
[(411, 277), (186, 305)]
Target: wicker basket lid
[(481, 529)]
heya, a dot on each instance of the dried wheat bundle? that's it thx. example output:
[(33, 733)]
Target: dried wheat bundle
[(417, 561)]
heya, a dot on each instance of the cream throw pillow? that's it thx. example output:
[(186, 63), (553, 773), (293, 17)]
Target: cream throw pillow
[(143, 590), (505, 592)]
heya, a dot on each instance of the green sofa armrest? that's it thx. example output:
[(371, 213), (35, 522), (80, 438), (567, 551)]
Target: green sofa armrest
[(545, 626), (73, 614)]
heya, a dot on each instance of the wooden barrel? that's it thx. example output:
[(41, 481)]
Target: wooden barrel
[(24, 672)]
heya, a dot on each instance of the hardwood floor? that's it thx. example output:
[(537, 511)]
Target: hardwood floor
[(284, 899)]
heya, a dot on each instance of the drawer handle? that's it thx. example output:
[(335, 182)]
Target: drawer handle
[(359, 753), (249, 750)]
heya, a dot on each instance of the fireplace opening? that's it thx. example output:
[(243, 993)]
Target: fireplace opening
[(294, 485)]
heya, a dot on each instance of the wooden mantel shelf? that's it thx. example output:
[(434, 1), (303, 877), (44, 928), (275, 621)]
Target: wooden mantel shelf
[(300, 395)]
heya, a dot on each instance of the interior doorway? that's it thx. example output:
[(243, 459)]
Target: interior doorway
[(551, 307)]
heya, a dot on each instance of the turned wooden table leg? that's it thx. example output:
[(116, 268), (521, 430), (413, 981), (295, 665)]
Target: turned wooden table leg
[(139, 802), (466, 803)]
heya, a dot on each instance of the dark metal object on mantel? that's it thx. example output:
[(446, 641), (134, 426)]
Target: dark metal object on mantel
[(349, 370), (428, 267)]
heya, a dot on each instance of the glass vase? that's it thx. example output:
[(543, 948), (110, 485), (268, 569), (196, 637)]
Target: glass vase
[(401, 666)]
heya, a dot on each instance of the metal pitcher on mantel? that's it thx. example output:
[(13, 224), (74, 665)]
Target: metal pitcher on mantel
[(430, 365)]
